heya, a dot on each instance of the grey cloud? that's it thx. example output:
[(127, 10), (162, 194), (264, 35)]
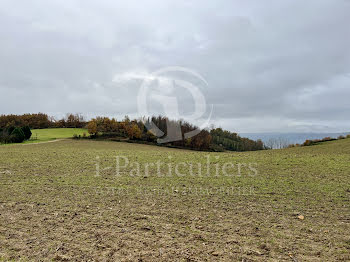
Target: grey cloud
[(276, 66)]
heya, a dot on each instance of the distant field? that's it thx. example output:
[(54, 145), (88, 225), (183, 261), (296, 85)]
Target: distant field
[(65, 201), (48, 134)]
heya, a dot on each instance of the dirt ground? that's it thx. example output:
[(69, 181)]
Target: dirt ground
[(55, 207)]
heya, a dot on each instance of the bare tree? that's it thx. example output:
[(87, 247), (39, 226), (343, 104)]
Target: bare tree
[(277, 143)]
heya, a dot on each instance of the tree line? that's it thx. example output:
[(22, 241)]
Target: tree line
[(40, 121), (139, 130), (143, 130), (233, 142), (326, 139), (147, 130)]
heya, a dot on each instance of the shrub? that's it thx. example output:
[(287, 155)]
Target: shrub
[(216, 148), (27, 132), (341, 137), (17, 135), (149, 136), (348, 136), (308, 143)]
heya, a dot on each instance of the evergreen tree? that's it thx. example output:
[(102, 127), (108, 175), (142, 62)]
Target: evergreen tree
[(17, 135), (27, 132)]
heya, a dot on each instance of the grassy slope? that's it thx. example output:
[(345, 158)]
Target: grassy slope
[(49, 134), (53, 207)]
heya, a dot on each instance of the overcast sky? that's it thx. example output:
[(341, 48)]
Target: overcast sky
[(269, 65)]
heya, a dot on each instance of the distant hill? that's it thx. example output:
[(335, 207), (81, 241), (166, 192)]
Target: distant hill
[(291, 138)]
